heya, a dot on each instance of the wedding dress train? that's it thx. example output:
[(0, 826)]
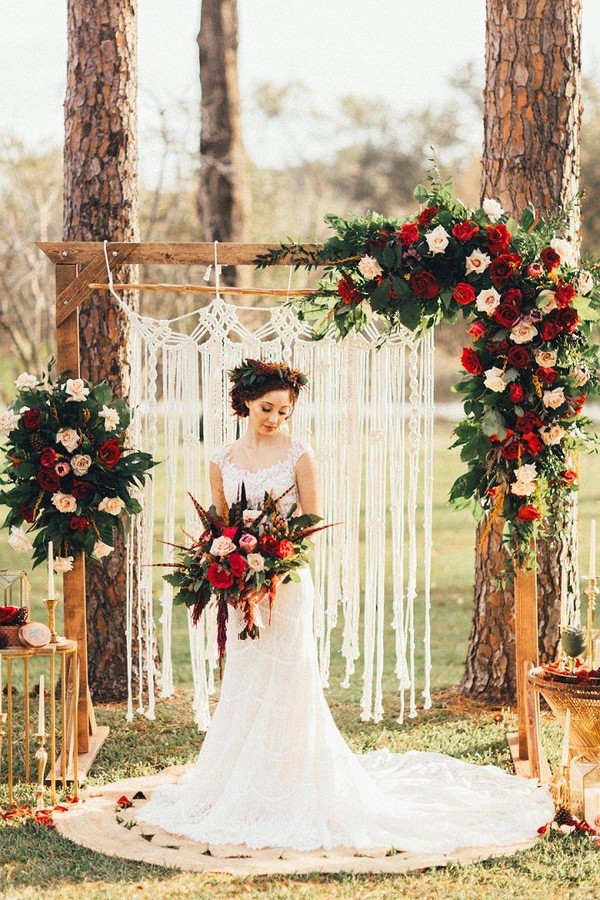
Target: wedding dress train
[(275, 771)]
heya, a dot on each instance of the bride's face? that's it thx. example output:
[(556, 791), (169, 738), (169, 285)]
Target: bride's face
[(267, 414)]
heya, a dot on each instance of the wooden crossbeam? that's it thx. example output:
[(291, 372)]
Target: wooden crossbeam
[(162, 253), (78, 290)]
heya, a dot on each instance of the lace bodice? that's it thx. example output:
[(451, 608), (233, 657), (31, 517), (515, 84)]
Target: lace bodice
[(276, 478)]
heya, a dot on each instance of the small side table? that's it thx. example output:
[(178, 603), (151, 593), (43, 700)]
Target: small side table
[(61, 662)]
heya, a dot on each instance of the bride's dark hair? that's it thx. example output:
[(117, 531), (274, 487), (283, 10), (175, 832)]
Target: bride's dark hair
[(254, 378)]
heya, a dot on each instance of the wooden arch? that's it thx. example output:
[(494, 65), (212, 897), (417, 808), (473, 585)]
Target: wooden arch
[(79, 267)]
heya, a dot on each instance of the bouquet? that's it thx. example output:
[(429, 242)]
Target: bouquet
[(67, 472), (239, 559)]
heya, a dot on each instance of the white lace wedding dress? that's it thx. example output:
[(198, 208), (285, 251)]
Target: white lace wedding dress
[(275, 771)]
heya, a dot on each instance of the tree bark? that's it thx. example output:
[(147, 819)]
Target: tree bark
[(223, 191), (101, 201), (532, 115)]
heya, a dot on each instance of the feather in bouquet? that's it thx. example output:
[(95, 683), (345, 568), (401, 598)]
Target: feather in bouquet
[(240, 558)]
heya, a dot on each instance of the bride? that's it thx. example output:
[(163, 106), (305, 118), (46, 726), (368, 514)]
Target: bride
[(274, 771)]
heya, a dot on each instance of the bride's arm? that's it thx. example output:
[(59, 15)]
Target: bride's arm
[(216, 489), (308, 485)]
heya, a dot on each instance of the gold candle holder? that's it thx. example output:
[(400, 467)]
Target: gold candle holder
[(591, 593), (41, 756), (560, 789), (50, 605)]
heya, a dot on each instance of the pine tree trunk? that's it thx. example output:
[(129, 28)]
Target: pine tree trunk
[(532, 113), (223, 191), (101, 201)]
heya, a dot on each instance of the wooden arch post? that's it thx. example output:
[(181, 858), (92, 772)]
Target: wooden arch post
[(80, 267)]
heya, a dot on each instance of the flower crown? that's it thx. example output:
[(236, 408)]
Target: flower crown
[(251, 373)]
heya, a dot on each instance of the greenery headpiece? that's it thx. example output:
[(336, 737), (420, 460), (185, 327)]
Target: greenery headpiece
[(253, 373)]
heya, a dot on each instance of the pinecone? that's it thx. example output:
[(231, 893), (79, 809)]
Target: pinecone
[(36, 442), (22, 617), (563, 816)]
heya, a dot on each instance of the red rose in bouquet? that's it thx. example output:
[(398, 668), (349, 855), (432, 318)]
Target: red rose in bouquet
[(564, 293), (32, 419), (497, 238), (48, 457), (534, 443), (268, 543), (477, 329), (79, 523), (109, 453), (237, 564), (464, 293), (427, 215), (549, 330), (27, 514), (528, 513), (408, 234), (424, 285), (516, 392), (568, 319), (81, 489), (569, 476), (348, 291), (512, 449), (503, 268), (507, 315), (219, 576), (513, 296), (548, 376), (464, 231), (550, 258), (471, 361), (48, 480), (529, 421), (285, 549), (519, 357), (497, 347)]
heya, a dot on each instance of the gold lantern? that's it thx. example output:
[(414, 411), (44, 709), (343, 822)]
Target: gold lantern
[(10, 580), (591, 797)]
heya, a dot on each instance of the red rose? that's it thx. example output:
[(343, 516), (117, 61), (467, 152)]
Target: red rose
[(569, 476), (427, 215), (577, 403), (464, 293), (548, 376), (464, 231), (528, 422), (48, 457), (568, 318), (48, 480), (79, 523), (516, 392), (519, 357), (237, 564), (230, 532), (26, 513), (109, 453), (513, 296), (535, 270), (503, 268), (32, 419), (348, 291), (564, 293), (497, 238), (477, 329), (408, 234), (549, 330), (550, 258), (507, 315), (471, 361), (512, 449), (81, 489), (268, 543), (528, 513), (220, 577), (285, 549), (534, 443), (497, 347), (424, 285)]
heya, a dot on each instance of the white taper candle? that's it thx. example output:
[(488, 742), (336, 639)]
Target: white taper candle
[(566, 736), (593, 549)]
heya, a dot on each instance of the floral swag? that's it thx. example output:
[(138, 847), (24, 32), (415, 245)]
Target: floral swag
[(530, 364)]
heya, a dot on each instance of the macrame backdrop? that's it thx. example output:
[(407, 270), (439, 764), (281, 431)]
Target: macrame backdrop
[(368, 413)]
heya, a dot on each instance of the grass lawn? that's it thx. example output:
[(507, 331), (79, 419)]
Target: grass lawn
[(38, 862)]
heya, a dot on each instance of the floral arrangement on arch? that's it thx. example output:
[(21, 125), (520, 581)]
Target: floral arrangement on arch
[(530, 364), (67, 473)]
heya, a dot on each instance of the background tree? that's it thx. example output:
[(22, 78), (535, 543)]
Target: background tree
[(532, 115), (101, 201)]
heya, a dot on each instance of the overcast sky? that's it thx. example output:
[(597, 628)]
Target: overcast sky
[(402, 51)]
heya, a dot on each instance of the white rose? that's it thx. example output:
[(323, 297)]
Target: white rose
[(523, 332), (101, 549), (69, 438), (25, 381), (256, 561), (487, 300), (522, 488), (552, 434), (526, 473), (494, 380), (437, 240), (477, 262), (76, 389), (554, 399), (81, 463), (585, 282), (492, 209), (369, 267), (580, 375), (111, 505), (250, 515), (9, 421), (546, 358), (222, 546), (110, 416), (65, 503), (63, 564), (546, 301), (564, 249), (20, 540)]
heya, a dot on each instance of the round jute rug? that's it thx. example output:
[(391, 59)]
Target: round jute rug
[(101, 824)]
